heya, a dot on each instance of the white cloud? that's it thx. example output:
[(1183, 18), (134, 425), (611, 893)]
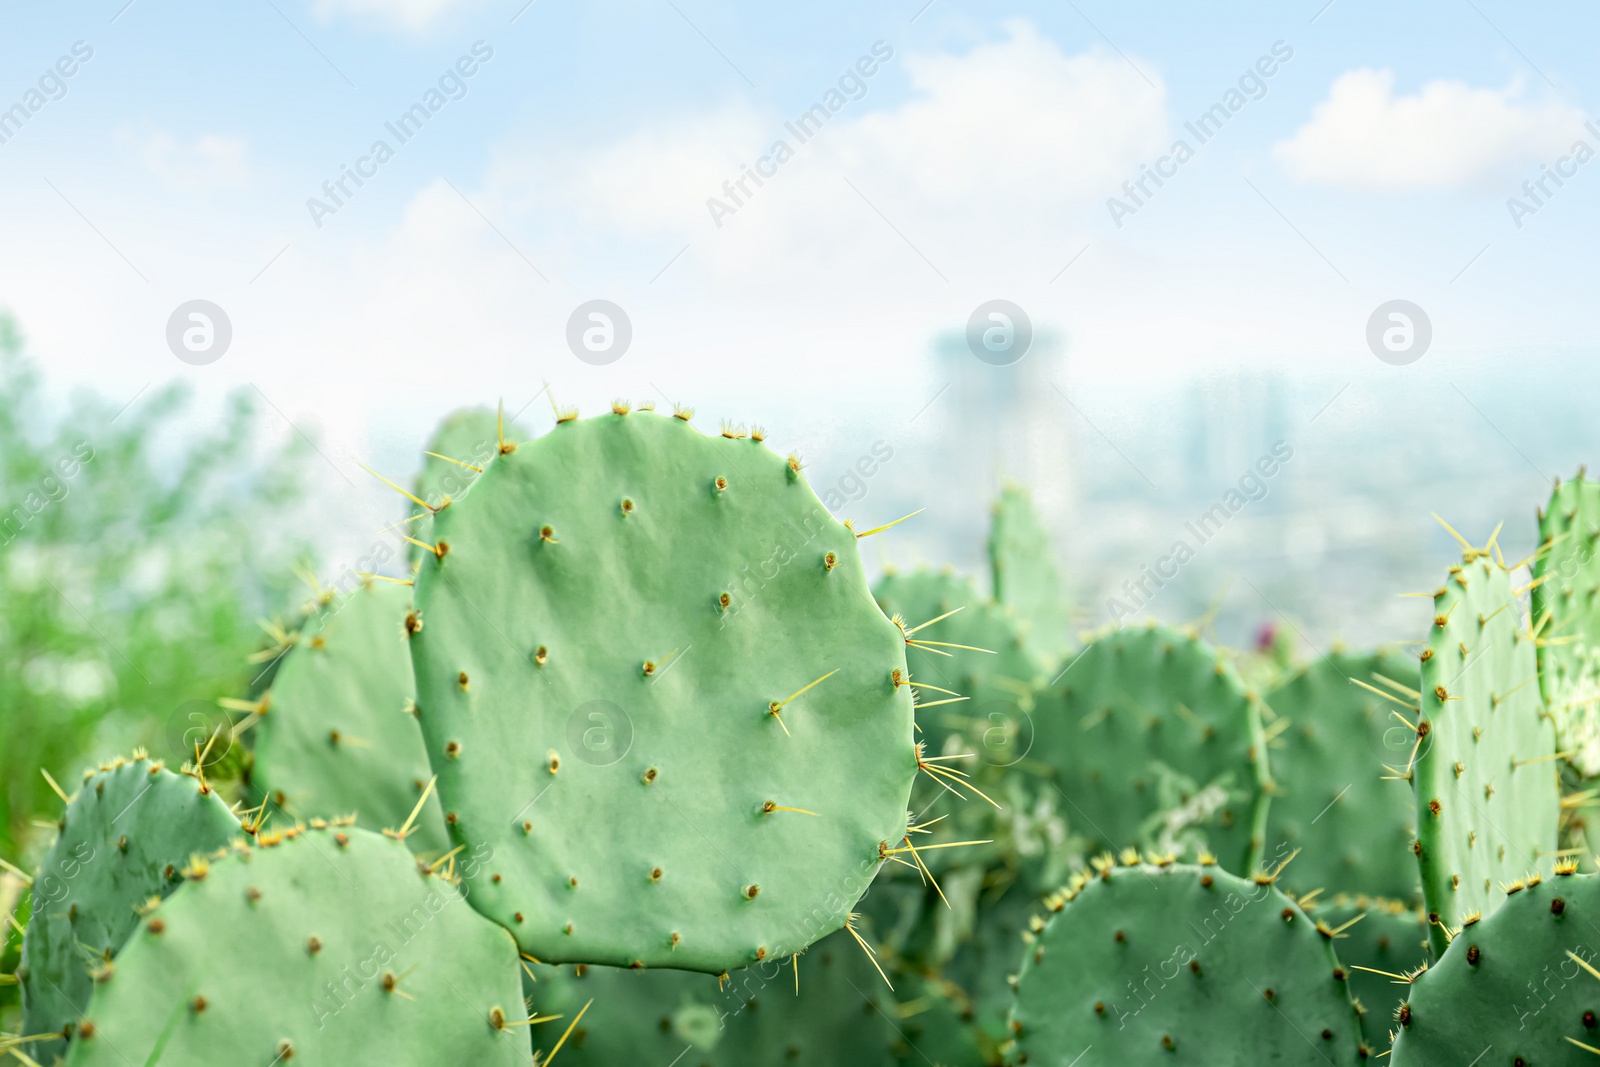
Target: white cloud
[(1003, 147), (410, 15), (207, 162), (1448, 134)]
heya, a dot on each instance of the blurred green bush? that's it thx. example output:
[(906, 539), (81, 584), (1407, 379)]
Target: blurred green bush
[(138, 549)]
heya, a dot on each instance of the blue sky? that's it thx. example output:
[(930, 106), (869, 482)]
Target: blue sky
[(1376, 164)]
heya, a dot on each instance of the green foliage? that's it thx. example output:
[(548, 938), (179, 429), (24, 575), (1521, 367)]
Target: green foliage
[(1522, 982), (130, 830), (1152, 737), (1485, 778), (1351, 818), (135, 554), (325, 944), (636, 644), (338, 735), (1146, 960), (1566, 609)]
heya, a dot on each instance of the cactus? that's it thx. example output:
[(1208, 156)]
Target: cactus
[(126, 834), (1485, 775), (1522, 981), (1334, 731), (652, 680), (1026, 580), (1566, 608), (836, 1013), (336, 733), (328, 944), (1151, 735), (461, 446), (1155, 958), (997, 681), (1380, 942)]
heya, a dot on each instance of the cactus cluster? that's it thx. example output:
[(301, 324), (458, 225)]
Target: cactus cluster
[(632, 765)]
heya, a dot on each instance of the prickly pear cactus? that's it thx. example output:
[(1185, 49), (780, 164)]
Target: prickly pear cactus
[(1022, 563), (1485, 775), (128, 832), (998, 680), (1332, 737), (1376, 935), (1144, 962), (841, 1014), (1151, 736), (653, 681), (1566, 609), (338, 734), (1521, 982), (321, 946), (461, 446)]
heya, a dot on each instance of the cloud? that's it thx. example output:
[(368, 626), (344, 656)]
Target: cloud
[(1447, 135), (412, 16), (1012, 130), (207, 162)]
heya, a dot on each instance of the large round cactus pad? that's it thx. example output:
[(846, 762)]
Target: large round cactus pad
[(326, 946), (613, 648), (1152, 964)]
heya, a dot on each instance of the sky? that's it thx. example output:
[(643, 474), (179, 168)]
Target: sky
[(1316, 161)]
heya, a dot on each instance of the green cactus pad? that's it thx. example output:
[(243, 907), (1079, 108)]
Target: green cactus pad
[(1510, 984), (326, 946), (999, 683), (1151, 964), (1351, 819), (843, 1015), (1152, 736), (1568, 571), (1485, 776), (126, 835), (471, 437), (1022, 562), (338, 735), (636, 645), (1386, 937)]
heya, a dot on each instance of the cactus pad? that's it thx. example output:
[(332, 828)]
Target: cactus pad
[(1147, 960), (338, 735), (839, 1018), (653, 680), (1510, 983), (1351, 818), (1387, 937), (327, 944), (1023, 565), (1152, 737), (1485, 776), (999, 682), (1568, 568), (126, 835)]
